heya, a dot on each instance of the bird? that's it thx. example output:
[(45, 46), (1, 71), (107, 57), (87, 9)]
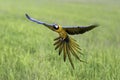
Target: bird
[(65, 43)]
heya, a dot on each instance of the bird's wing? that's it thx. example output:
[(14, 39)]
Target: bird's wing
[(34, 20), (79, 29), (37, 21)]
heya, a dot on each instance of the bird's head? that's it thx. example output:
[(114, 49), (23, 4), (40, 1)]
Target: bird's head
[(55, 27)]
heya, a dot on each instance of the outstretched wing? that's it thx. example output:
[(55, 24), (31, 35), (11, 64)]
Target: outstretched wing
[(79, 29), (34, 20), (39, 22)]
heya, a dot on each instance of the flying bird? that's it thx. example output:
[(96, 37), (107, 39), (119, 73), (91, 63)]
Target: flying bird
[(64, 43)]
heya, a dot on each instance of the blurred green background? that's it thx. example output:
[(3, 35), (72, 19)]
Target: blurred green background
[(27, 51)]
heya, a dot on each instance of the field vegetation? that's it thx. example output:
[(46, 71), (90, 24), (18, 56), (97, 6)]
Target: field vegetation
[(27, 51)]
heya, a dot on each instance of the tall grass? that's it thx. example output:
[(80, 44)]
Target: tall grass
[(27, 51)]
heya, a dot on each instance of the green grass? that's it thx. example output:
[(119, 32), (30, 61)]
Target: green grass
[(27, 51)]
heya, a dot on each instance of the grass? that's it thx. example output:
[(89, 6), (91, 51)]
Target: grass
[(26, 50)]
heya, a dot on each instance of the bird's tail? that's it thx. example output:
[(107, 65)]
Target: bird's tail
[(67, 46)]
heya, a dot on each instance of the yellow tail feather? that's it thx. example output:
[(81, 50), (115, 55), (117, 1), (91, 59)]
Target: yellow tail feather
[(68, 46)]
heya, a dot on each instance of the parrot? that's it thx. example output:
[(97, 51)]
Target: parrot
[(64, 43)]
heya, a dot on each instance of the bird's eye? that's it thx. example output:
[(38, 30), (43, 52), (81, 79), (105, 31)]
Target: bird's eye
[(56, 26)]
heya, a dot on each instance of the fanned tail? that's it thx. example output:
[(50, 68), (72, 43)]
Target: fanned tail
[(68, 46)]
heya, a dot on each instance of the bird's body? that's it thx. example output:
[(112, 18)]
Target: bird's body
[(61, 32), (64, 43)]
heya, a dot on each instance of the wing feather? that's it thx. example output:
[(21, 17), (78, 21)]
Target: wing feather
[(37, 21), (79, 29), (34, 20)]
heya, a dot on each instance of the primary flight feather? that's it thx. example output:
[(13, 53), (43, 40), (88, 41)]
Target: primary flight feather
[(64, 43)]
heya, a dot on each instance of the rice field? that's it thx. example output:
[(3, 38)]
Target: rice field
[(27, 50)]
